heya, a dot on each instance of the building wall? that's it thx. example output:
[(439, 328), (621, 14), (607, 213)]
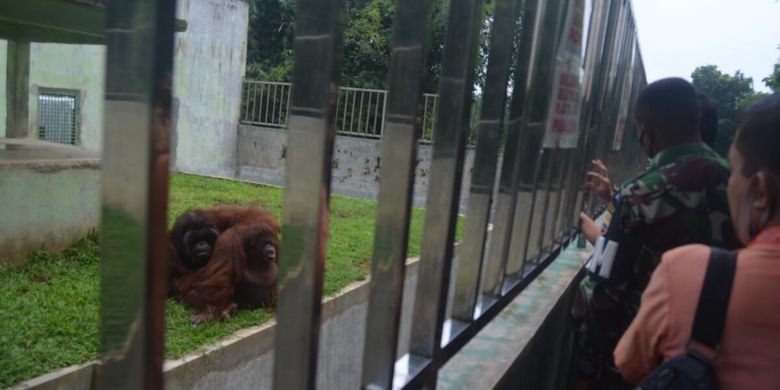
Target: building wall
[(208, 74), (209, 70), (72, 67)]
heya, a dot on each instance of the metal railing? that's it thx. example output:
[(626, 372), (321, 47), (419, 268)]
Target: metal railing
[(266, 103), (539, 188), (360, 111)]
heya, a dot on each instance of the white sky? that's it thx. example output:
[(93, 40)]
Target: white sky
[(676, 36)]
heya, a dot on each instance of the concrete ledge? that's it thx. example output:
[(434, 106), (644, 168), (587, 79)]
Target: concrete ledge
[(74, 377), (50, 193), (245, 359), (530, 336)]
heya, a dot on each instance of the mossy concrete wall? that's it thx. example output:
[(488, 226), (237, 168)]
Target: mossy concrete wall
[(355, 167), (51, 196), (208, 77)]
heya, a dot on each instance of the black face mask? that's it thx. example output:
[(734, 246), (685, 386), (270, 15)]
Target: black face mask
[(651, 152)]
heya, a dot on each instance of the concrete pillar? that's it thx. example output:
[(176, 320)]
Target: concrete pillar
[(17, 90)]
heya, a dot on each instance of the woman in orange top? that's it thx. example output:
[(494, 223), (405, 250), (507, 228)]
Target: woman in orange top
[(749, 355)]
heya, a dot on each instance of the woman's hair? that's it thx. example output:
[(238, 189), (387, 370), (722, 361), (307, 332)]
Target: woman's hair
[(758, 137), (758, 141)]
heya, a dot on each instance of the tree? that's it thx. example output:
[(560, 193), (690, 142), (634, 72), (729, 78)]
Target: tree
[(728, 94), (367, 42), (270, 39), (773, 80)]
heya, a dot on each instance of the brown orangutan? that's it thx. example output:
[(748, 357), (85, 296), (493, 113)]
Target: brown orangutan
[(238, 268)]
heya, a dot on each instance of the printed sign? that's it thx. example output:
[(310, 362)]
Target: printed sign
[(563, 118)]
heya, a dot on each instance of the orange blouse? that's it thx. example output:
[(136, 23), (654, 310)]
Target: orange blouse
[(749, 357)]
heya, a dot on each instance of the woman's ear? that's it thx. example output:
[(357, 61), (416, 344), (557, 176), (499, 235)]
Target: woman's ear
[(762, 201)]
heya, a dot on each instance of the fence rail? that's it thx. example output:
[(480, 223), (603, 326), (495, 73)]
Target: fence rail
[(360, 111)]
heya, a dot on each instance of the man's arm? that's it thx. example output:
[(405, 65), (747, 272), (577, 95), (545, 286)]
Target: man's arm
[(590, 229)]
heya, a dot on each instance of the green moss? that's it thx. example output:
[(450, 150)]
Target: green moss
[(50, 304)]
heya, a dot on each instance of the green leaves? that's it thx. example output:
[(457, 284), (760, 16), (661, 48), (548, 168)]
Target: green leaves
[(727, 94)]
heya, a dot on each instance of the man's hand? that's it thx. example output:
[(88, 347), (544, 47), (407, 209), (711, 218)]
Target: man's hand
[(598, 182)]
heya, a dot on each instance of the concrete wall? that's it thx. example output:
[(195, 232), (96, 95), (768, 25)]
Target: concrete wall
[(73, 67), (51, 196), (209, 69), (356, 163)]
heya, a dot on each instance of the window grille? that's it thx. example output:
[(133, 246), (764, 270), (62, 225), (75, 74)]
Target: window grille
[(58, 113)]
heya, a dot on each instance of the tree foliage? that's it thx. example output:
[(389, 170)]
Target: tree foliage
[(728, 93), (367, 42), (773, 80)]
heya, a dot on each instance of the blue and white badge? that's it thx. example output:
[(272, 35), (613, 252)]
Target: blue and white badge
[(606, 248)]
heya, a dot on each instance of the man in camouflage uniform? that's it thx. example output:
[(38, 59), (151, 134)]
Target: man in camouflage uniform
[(680, 199)]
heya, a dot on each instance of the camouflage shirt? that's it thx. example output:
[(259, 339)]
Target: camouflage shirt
[(680, 199)]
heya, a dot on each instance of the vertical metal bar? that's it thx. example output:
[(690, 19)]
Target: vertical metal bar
[(261, 88), (268, 101), (399, 151), (377, 124), (531, 151), (564, 187), (307, 188), (259, 101), (139, 38), (485, 160), (384, 111), (445, 181), (274, 119), (287, 107), (343, 106), (360, 112), (282, 94), (492, 278), (245, 94), (425, 116), (352, 112), (545, 221)]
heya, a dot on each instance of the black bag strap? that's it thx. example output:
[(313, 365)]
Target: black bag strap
[(714, 299)]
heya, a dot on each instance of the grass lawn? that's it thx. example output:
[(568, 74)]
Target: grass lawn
[(49, 305)]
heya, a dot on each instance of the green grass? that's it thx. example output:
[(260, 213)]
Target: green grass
[(50, 304)]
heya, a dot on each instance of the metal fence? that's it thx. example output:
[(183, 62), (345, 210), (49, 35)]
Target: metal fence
[(539, 188), (266, 103), (359, 111)]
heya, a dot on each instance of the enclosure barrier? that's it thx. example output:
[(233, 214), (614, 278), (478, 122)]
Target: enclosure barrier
[(557, 123), (359, 112)]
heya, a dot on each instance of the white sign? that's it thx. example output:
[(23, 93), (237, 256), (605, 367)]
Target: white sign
[(563, 116)]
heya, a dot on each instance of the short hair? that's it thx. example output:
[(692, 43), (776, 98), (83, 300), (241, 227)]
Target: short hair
[(671, 102), (758, 136), (709, 120)]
